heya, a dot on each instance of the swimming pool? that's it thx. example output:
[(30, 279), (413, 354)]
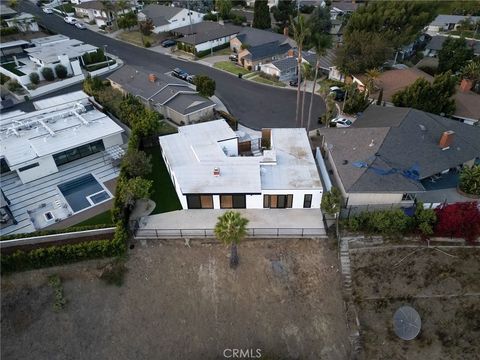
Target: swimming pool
[(83, 192)]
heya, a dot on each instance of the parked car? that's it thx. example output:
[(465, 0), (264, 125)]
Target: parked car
[(342, 122), (191, 79), (294, 82), (70, 20), (80, 26), (338, 92), (168, 43), (179, 73), (47, 10), (233, 57)]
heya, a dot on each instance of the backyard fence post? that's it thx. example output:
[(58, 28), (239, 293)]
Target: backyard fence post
[(302, 231), (156, 233), (278, 230), (181, 235)]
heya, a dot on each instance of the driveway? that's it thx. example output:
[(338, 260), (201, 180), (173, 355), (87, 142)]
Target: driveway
[(255, 105)]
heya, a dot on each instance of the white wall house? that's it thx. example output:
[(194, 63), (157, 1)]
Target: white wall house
[(24, 22), (209, 172), (36, 144), (95, 11), (167, 18), (444, 23)]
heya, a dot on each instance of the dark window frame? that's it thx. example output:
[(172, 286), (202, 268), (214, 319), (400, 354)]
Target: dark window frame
[(307, 201), (79, 152), (28, 167)]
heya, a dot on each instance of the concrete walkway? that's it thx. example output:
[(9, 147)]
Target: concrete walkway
[(262, 222)]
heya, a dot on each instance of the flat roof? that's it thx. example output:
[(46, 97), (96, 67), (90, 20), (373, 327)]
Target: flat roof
[(49, 52), (27, 136), (197, 149), (6, 45), (49, 39)]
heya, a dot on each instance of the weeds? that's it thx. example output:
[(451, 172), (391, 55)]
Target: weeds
[(56, 283), (113, 273)]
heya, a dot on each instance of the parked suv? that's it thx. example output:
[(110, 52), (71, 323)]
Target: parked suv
[(338, 92), (233, 57), (179, 73), (70, 20), (168, 43)]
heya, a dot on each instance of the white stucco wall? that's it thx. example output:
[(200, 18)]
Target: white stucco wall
[(373, 198), (46, 166), (211, 44), (112, 140)]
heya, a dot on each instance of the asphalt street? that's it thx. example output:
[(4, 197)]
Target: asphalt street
[(255, 105)]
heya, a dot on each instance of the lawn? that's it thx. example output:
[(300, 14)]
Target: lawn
[(104, 218), (66, 7), (136, 38), (231, 67), (262, 80), (12, 67), (164, 193)]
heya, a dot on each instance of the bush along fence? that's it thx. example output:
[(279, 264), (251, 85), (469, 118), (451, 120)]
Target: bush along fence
[(459, 220), (131, 186)]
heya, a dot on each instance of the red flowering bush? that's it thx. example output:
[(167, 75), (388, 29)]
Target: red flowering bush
[(458, 220)]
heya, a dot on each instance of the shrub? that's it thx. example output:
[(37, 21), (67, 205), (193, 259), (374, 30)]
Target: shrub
[(48, 74), (210, 17), (3, 78), (13, 85), (8, 31), (61, 71), (458, 220), (273, 78), (52, 232), (425, 220), (470, 180), (137, 163), (388, 222), (34, 78), (147, 44), (205, 85)]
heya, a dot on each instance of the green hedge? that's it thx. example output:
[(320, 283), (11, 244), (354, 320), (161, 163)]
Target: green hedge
[(204, 53), (53, 232), (8, 31), (65, 254)]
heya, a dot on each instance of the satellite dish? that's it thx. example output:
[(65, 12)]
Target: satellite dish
[(407, 323)]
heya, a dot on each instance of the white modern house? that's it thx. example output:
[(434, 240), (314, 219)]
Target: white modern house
[(25, 22), (167, 18), (214, 167), (57, 160)]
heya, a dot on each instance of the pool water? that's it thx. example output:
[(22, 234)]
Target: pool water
[(83, 192)]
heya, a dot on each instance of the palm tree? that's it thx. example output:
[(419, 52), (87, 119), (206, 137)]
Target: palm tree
[(300, 32), (306, 75), (230, 229), (328, 98), (372, 75), (321, 43), (331, 203)]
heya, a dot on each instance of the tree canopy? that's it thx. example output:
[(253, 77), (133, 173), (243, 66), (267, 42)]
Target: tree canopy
[(283, 11), (454, 54), (204, 85), (223, 7), (261, 15), (434, 98)]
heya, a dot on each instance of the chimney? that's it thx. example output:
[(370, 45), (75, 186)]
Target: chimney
[(152, 78), (447, 139), (216, 171), (285, 31), (291, 52)]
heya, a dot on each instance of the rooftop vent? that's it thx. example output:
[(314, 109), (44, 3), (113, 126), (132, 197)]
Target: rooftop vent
[(216, 171), (372, 143), (152, 78), (447, 139)]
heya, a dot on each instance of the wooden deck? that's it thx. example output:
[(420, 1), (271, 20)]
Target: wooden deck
[(29, 196)]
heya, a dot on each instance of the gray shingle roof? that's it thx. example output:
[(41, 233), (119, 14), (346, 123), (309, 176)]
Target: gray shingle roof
[(160, 14), (267, 51), (169, 92), (189, 103), (442, 20), (436, 44), (136, 81), (398, 142), (285, 63), (205, 31), (254, 37)]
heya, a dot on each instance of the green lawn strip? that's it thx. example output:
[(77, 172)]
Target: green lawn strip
[(67, 7), (231, 67), (164, 193), (104, 218), (268, 82), (12, 67), (135, 37)]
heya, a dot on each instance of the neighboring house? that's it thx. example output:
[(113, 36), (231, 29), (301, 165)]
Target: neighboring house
[(12, 48), (286, 69), (48, 51), (251, 3), (443, 23), (57, 161), (255, 46), (336, 31), (243, 12), (24, 22), (173, 98), (96, 12), (206, 35), (436, 44), (391, 81), (338, 9), (167, 18), (393, 155), (210, 171)]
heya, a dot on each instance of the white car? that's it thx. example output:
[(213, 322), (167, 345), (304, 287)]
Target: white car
[(47, 10), (80, 25), (342, 122), (70, 20)]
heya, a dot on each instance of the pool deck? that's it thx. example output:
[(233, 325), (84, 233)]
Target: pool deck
[(30, 196)]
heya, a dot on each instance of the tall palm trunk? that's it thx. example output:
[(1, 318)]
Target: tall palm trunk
[(303, 102), (233, 256), (309, 121), (299, 78)]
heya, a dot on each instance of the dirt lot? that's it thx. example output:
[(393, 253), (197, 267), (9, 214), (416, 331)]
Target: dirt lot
[(183, 303), (424, 280)]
